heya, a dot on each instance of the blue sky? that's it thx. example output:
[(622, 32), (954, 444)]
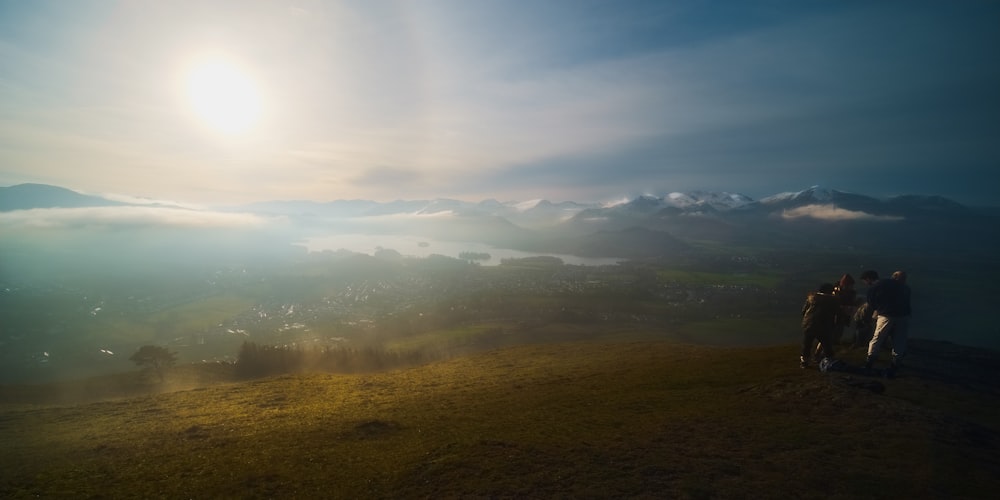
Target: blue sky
[(514, 100)]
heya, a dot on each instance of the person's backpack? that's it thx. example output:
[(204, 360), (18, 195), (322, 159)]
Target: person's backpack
[(863, 316), (831, 365)]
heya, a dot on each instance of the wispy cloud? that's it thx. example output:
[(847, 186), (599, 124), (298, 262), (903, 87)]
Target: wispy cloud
[(556, 99), (126, 217), (136, 200), (833, 213)]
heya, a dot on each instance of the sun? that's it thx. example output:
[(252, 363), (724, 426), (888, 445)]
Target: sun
[(223, 96)]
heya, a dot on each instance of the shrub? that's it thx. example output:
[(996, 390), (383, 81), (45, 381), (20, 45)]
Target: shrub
[(155, 358)]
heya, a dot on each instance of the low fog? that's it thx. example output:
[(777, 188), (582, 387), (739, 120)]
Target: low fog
[(83, 288)]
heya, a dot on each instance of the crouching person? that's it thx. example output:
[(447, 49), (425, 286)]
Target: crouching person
[(819, 318), (864, 326)]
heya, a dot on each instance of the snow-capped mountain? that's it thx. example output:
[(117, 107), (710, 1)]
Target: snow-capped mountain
[(677, 203), (815, 194), (902, 206), (640, 227), (537, 213), (699, 200)]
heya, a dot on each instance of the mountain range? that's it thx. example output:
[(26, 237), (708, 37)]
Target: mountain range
[(28, 196), (643, 226)]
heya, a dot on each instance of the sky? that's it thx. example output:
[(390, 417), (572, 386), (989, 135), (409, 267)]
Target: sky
[(237, 101)]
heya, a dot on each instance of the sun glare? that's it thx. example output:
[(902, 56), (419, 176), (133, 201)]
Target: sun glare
[(224, 97)]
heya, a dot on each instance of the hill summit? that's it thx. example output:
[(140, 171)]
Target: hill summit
[(579, 419)]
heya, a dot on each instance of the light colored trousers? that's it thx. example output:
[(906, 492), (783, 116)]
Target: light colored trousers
[(897, 327)]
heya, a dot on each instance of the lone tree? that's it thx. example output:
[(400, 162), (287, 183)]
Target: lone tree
[(154, 357)]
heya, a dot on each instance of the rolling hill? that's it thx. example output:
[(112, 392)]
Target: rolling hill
[(579, 419)]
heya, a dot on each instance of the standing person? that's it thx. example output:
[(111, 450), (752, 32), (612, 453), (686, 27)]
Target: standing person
[(846, 296), (819, 317), (886, 299), (901, 331)]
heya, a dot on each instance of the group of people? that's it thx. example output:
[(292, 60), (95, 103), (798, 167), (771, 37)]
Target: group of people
[(884, 313)]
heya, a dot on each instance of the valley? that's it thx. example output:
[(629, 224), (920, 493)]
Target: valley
[(85, 281)]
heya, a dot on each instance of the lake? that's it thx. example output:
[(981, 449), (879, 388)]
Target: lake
[(416, 246)]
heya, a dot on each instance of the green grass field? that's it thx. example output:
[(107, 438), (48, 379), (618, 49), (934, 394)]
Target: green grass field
[(585, 419), (686, 277), (176, 321)]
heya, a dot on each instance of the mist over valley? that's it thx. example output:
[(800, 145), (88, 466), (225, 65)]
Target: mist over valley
[(631, 349), (86, 280), (454, 249)]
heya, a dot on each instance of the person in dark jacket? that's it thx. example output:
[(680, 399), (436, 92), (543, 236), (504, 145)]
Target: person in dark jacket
[(901, 330), (820, 314), (889, 300), (847, 296)]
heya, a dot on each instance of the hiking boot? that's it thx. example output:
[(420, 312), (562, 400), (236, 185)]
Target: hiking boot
[(868, 364)]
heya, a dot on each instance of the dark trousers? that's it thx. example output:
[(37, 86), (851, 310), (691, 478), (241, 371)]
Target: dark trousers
[(822, 336), (862, 335)]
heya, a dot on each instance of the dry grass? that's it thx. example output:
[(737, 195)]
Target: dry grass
[(572, 420)]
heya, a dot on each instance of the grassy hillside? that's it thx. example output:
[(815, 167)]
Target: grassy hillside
[(575, 420)]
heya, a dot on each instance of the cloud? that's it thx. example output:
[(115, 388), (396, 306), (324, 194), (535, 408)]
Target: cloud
[(832, 213), (136, 200), (557, 100), (126, 217), (383, 176), (439, 215)]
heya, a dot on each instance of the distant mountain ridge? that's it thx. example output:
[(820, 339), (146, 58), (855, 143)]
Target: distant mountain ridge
[(641, 227), (814, 216), (28, 196), (532, 213)]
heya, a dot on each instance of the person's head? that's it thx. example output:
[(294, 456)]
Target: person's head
[(899, 276), (825, 288), (870, 276), (846, 282)]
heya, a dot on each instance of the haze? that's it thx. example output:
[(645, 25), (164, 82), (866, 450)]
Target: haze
[(175, 172), (239, 101)]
